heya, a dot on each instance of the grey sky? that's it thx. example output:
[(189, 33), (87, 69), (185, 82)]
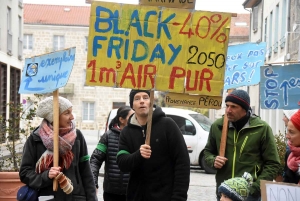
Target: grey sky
[(233, 6)]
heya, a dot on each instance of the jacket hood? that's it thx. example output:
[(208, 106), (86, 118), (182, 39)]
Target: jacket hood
[(157, 114)]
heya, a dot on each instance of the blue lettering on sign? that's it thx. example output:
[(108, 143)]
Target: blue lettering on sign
[(26, 87), (256, 53), (236, 78), (289, 84), (137, 50), (271, 84), (235, 57), (58, 60), (55, 77)]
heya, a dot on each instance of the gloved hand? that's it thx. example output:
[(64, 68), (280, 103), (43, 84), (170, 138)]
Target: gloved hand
[(65, 183)]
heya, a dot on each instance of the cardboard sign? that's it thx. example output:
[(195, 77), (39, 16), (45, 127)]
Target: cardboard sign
[(189, 4), (243, 64), (48, 72), (279, 191), (279, 87), (211, 102), (166, 49)]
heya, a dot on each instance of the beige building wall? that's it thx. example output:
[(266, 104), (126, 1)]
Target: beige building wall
[(103, 97)]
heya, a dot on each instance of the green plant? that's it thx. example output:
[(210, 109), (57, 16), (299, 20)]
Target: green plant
[(281, 148), (14, 131)]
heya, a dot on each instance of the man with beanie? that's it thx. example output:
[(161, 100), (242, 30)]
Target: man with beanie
[(250, 145), (161, 170)]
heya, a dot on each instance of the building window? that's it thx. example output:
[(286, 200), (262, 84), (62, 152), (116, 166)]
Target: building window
[(3, 92), (15, 81), (255, 19), (3, 89), (86, 43), (118, 104), (9, 19), (27, 42), (88, 111), (58, 43)]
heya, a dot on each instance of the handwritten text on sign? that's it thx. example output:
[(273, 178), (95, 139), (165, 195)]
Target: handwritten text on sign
[(243, 63), (280, 87), (147, 47), (211, 102), (189, 4), (278, 191), (48, 72)]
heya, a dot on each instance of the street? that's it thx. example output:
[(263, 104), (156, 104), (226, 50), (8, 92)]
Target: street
[(202, 186)]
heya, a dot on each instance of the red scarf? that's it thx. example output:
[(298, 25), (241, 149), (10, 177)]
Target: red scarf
[(293, 160), (67, 138)]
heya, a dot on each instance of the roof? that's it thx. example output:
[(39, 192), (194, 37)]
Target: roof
[(251, 3), (236, 29), (56, 15)]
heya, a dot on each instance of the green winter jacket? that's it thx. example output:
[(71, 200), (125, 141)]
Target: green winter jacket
[(251, 150)]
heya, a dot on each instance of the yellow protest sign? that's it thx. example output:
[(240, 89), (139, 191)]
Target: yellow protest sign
[(188, 4), (211, 102), (166, 49)]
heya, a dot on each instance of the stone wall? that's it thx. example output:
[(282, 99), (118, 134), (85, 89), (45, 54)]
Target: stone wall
[(102, 96)]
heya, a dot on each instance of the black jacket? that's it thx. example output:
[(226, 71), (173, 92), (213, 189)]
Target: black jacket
[(115, 181), (166, 175), (289, 176), (79, 172)]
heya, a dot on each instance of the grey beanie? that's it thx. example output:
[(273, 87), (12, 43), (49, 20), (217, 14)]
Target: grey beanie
[(45, 108), (132, 94), (239, 97)]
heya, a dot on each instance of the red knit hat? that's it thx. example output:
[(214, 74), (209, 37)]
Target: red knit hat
[(295, 119)]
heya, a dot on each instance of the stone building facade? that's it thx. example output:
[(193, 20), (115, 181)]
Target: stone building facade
[(59, 27)]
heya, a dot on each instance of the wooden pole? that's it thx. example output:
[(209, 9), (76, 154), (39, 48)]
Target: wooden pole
[(55, 135), (224, 132), (149, 120)]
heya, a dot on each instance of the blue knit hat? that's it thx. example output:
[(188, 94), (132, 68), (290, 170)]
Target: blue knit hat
[(239, 97), (237, 188)]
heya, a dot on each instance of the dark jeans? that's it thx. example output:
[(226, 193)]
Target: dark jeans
[(113, 197), (249, 198)]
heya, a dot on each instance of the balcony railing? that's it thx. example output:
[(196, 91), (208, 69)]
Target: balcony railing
[(9, 43), (20, 49)]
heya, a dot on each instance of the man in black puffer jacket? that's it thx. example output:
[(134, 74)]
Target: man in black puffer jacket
[(160, 171)]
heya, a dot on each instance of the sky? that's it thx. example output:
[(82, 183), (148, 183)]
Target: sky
[(231, 6)]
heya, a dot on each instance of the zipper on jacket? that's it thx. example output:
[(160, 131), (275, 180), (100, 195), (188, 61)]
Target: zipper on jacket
[(235, 139), (143, 131), (243, 145)]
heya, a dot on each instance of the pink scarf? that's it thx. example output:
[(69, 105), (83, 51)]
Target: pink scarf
[(67, 138), (293, 160)]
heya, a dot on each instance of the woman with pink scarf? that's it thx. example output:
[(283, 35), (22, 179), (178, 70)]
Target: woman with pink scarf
[(74, 172), (292, 163)]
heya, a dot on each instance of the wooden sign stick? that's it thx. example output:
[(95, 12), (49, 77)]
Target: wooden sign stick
[(55, 135), (224, 132), (149, 120)]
